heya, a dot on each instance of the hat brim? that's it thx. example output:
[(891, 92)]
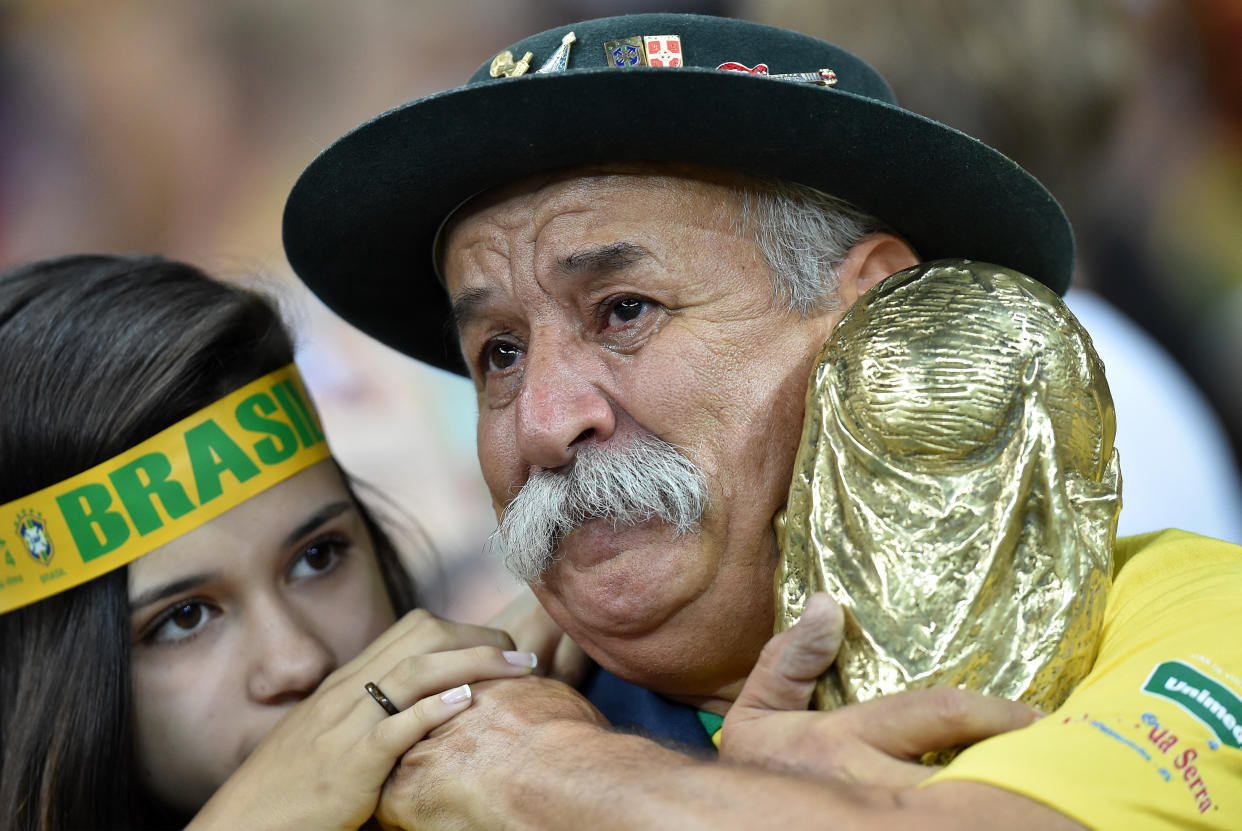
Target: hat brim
[(360, 223)]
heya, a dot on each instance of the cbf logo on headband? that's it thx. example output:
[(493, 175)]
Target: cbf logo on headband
[(168, 485), (32, 530)]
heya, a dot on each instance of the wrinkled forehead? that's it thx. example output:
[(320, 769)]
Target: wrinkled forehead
[(516, 203)]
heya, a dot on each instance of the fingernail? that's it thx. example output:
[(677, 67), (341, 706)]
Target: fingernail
[(456, 695), (522, 659)]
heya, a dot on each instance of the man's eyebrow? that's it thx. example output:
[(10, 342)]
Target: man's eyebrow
[(466, 305), (615, 256), (156, 593)]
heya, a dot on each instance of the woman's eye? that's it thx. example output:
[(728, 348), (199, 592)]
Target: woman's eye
[(180, 622), (319, 557), (501, 355)]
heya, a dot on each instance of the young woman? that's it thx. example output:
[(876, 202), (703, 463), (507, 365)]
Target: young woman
[(192, 602)]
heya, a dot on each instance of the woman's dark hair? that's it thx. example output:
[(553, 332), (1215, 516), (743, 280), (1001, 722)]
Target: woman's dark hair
[(97, 354)]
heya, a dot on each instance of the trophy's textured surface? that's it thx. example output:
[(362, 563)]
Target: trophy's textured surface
[(956, 489)]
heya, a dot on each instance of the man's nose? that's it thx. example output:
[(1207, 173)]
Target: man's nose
[(288, 655), (561, 404)]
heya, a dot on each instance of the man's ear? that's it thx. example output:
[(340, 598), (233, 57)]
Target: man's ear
[(871, 260)]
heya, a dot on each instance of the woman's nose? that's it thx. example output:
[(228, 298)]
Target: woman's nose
[(289, 657)]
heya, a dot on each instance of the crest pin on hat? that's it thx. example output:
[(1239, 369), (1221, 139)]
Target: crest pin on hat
[(626, 52), (662, 50)]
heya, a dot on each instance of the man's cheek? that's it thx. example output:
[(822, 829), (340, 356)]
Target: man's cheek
[(499, 465)]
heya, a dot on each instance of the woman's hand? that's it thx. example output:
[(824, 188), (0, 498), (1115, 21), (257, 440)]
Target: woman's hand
[(531, 629), (323, 764)]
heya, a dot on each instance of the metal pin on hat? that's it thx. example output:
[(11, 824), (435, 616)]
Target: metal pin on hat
[(560, 58), (823, 77), (626, 52), (662, 50), (504, 66)]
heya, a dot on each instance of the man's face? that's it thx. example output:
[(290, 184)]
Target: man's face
[(597, 308)]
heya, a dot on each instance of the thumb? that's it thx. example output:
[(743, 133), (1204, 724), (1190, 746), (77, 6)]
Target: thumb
[(785, 675)]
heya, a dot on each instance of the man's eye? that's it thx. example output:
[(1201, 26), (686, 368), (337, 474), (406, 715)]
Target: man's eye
[(501, 355), (628, 308)]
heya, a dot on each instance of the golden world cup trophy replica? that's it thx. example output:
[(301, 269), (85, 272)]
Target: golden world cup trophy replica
[(956, 490)]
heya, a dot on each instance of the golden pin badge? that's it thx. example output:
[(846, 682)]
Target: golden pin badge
[(503, 65)]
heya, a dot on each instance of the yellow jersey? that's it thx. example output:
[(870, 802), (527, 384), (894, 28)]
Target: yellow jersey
[(1152, 737)]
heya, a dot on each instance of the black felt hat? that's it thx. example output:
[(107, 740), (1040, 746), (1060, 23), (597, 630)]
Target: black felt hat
[(360, 223)]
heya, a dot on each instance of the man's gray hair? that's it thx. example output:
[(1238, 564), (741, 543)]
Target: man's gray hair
[(803, 235)]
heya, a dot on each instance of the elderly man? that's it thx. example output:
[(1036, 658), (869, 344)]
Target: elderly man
[(624, 230)]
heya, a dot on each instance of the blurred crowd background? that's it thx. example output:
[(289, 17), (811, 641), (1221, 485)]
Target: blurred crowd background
[(179, 126)]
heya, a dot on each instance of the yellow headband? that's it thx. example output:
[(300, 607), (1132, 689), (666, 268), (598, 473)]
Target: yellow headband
[(170, 484)]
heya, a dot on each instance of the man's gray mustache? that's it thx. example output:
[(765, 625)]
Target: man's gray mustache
[(645, 479)]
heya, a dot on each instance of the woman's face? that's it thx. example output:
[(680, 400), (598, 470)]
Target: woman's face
[(240, 619)]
